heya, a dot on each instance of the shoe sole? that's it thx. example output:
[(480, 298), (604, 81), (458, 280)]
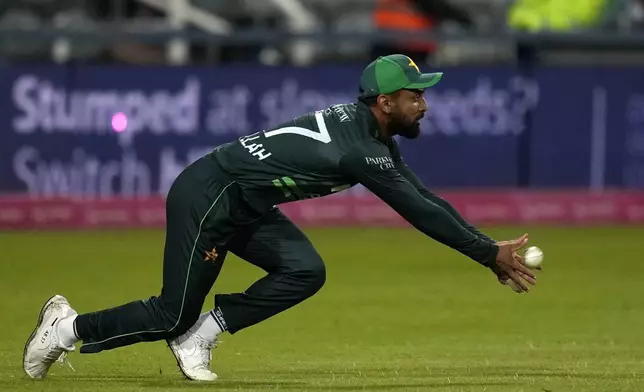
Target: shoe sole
[(41, 315), (176, 357)]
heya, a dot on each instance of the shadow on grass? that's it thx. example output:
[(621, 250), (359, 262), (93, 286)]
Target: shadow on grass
[(348, 379), (137, 382), (298, 385)]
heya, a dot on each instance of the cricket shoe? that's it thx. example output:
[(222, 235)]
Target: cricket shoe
[(193, 354), (43, 347)]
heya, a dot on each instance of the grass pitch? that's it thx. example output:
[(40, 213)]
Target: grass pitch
[(398, 312)]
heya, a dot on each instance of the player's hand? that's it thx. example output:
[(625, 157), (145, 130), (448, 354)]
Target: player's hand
[(509, 267)]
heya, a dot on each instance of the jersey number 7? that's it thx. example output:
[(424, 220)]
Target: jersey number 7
[(322, 136)]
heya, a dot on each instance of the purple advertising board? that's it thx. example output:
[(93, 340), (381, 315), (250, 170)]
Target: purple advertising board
[(583, 127)]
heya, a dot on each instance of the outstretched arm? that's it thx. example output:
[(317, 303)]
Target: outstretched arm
[(371, 165), (406, 172)]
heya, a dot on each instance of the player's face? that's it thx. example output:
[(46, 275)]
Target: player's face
[(410, 106)]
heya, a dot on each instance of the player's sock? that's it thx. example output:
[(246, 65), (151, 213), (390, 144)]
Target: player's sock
[(211, 324), (219, 319), (67, 331)]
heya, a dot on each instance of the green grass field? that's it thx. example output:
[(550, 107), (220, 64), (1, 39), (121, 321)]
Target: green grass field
[(398, 312)]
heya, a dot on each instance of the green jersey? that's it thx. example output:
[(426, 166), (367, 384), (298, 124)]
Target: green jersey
[(331, 150)]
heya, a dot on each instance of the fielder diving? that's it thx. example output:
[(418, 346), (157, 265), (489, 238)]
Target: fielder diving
[(227, 202)]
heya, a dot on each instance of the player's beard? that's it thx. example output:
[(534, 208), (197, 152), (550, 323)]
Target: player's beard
[(404, 127)]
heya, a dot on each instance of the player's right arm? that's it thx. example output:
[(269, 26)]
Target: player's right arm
[(371, 164)]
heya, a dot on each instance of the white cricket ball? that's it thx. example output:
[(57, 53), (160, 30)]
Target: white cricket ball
[(533, 257)]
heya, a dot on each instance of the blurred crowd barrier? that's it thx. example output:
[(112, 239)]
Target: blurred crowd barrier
[(103, 103), (308, 32)]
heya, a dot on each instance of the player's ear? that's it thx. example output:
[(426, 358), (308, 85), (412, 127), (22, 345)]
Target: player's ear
[(384, 102)]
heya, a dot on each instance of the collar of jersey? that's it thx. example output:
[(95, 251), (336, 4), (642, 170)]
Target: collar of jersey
[(372, 122)]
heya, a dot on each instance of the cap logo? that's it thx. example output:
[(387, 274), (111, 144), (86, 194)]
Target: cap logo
[(413, 65)]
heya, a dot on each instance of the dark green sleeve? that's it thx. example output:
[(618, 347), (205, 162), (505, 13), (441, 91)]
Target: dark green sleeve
[(418, 184), (371, 164), (406, 172)]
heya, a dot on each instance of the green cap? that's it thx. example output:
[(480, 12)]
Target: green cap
[(395, 72)]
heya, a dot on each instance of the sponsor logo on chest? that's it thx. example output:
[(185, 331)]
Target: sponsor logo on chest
[(383, 162)]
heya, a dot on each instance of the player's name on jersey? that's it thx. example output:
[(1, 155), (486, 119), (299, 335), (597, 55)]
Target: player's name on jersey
[(256, 150)]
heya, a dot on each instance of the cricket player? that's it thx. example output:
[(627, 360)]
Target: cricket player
[(226, 202)]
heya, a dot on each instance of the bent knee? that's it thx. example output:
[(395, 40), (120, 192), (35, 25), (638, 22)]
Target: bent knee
[(318, 275), (312, 274)]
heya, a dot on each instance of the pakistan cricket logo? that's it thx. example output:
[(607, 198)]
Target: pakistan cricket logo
[(211, 256)]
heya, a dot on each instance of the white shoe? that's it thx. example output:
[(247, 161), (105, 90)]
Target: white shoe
[(193, 355), (43, 347)]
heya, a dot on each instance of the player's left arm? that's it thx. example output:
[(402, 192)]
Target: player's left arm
[(410, 176), (406, 172)]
